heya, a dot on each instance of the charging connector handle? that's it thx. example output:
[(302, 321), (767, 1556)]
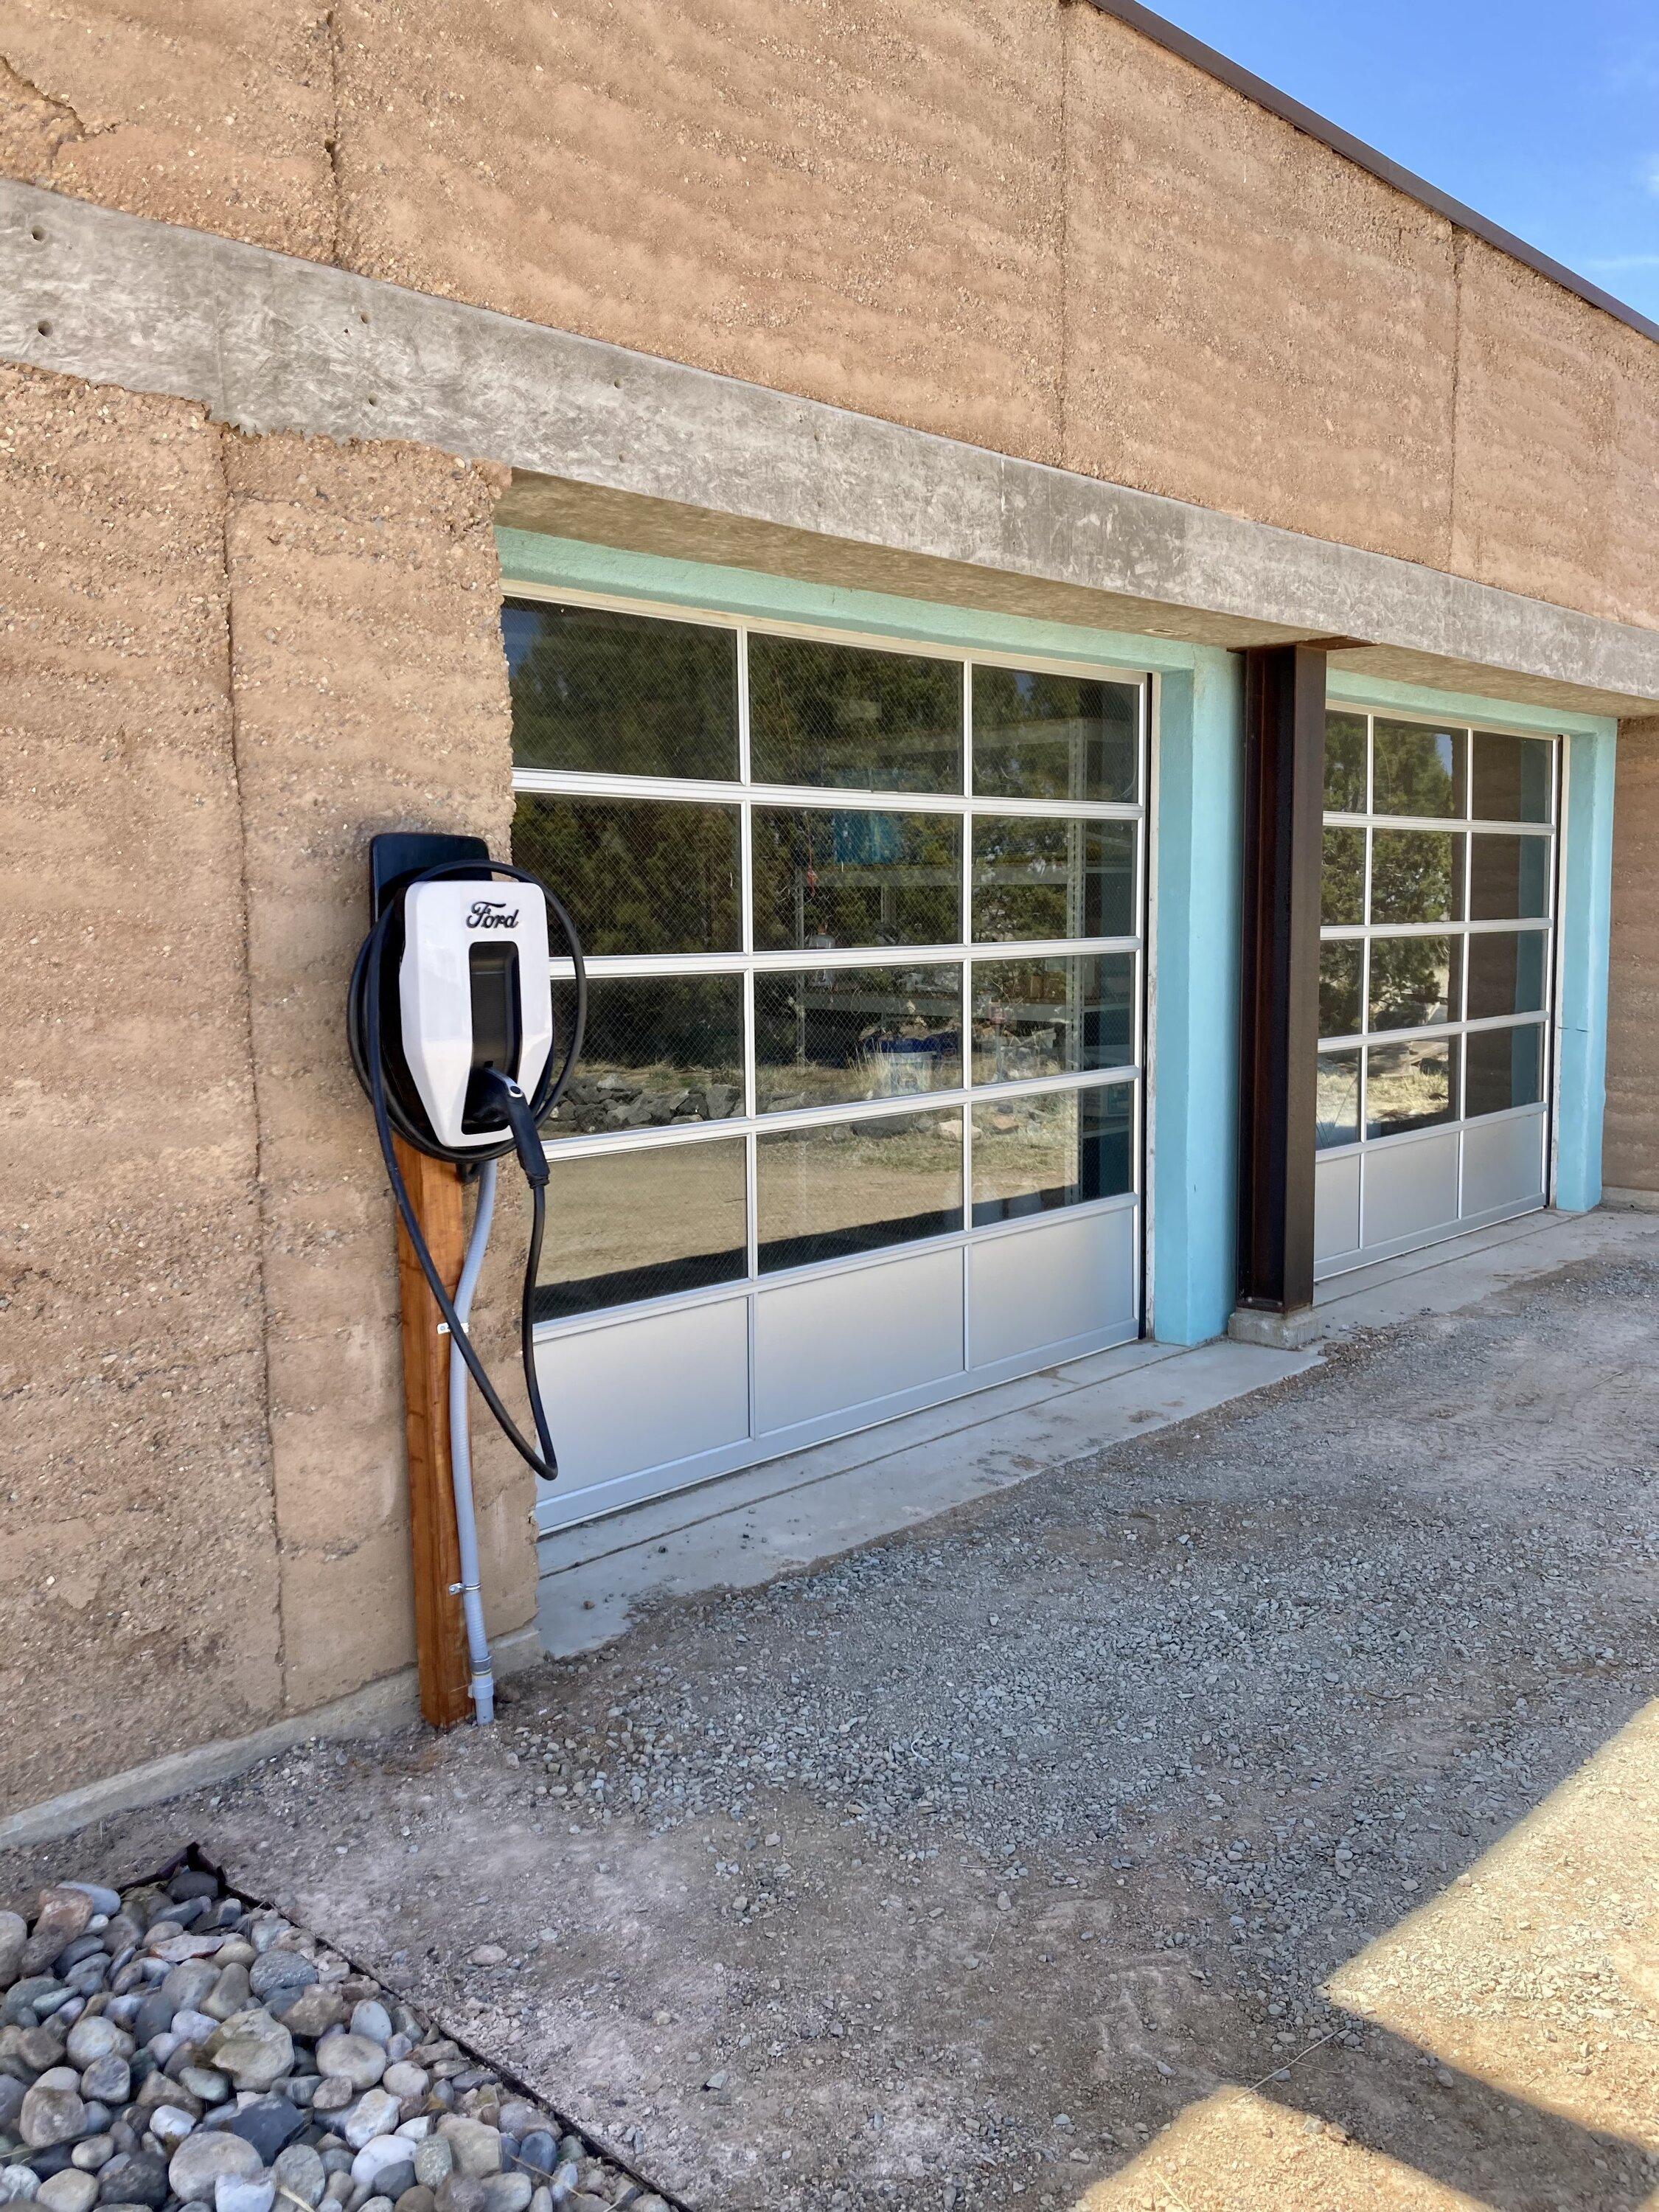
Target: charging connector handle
[(502, 1093)]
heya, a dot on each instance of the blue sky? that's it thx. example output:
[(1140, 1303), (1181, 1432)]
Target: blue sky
[(1543, 117)]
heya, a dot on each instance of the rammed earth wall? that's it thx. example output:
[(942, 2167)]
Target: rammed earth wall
[(1016, 222), (227, 662)]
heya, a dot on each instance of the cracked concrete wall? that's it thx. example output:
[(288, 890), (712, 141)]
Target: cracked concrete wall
[(1629, 1159), (1012, 222), (227, 662)]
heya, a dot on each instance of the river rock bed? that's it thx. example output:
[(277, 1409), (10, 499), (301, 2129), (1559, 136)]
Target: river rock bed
[(177, 2046)]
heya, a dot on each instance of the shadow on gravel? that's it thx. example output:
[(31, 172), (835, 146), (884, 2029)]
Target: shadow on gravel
[(1509, 2047)]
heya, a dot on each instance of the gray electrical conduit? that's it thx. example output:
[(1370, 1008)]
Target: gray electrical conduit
[(460, 1456)]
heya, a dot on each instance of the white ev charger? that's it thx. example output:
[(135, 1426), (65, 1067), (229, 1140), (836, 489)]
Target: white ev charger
[(450, 1020)]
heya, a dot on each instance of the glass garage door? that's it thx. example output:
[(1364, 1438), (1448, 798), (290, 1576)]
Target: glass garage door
[(1436, 969), (859, 1121)]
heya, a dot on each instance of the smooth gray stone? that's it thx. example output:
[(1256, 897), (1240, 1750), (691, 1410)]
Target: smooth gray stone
[(354, 2058), (311, 2011), (270, 2124), (97, 2037), (77, 1953), (385, 2166), (19, 2009), (71, 2191), (14, 1935), (281, 1970), (170, 2123), (477, 2146), (154, 2016), (375, 2114), (231, 1994), (370, 2018), (52, 2116), (235, 2192), (196, 2166), (63, 1915), (538, 2153), (107, 2081), (138, 2177), (189, 1982), (299, 2170), (253, 2049), (192, 1882), (103, 1900)]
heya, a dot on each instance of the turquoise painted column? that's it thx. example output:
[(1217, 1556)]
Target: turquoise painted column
[(1193, 1165), (1586, 920)]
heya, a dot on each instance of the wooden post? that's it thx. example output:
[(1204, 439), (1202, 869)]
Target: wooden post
[(434, 1190)]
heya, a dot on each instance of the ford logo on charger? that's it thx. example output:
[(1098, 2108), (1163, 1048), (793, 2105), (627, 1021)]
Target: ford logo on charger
[(491, 913)]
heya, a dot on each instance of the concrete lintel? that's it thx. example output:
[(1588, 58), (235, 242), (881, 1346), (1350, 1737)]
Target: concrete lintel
[(269, 342)]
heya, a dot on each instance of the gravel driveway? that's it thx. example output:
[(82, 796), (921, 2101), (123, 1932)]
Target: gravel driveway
[(952, 1872)]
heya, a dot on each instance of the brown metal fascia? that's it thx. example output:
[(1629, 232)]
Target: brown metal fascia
[(1177, 41)]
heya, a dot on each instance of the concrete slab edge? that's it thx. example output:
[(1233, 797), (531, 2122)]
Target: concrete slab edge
[(1011, 1447), (392, 1702), (267, 341)]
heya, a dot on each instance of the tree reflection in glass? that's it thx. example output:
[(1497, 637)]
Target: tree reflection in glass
[(618, 694), (1340, 964), (1041, 735), (1417, 875), (1049, 878), (639, 875), (1345, 764), (1416, 769), (1342, 882), (1414, 981), (848, 714), (836, 875)]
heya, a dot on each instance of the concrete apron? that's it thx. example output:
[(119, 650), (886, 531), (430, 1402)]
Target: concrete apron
[(792, 1513)]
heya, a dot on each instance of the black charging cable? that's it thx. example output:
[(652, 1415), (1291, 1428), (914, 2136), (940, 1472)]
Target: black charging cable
[(522, 1114)]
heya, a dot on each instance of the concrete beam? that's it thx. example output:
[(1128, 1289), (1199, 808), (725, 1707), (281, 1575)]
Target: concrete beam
[(268, 342)]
